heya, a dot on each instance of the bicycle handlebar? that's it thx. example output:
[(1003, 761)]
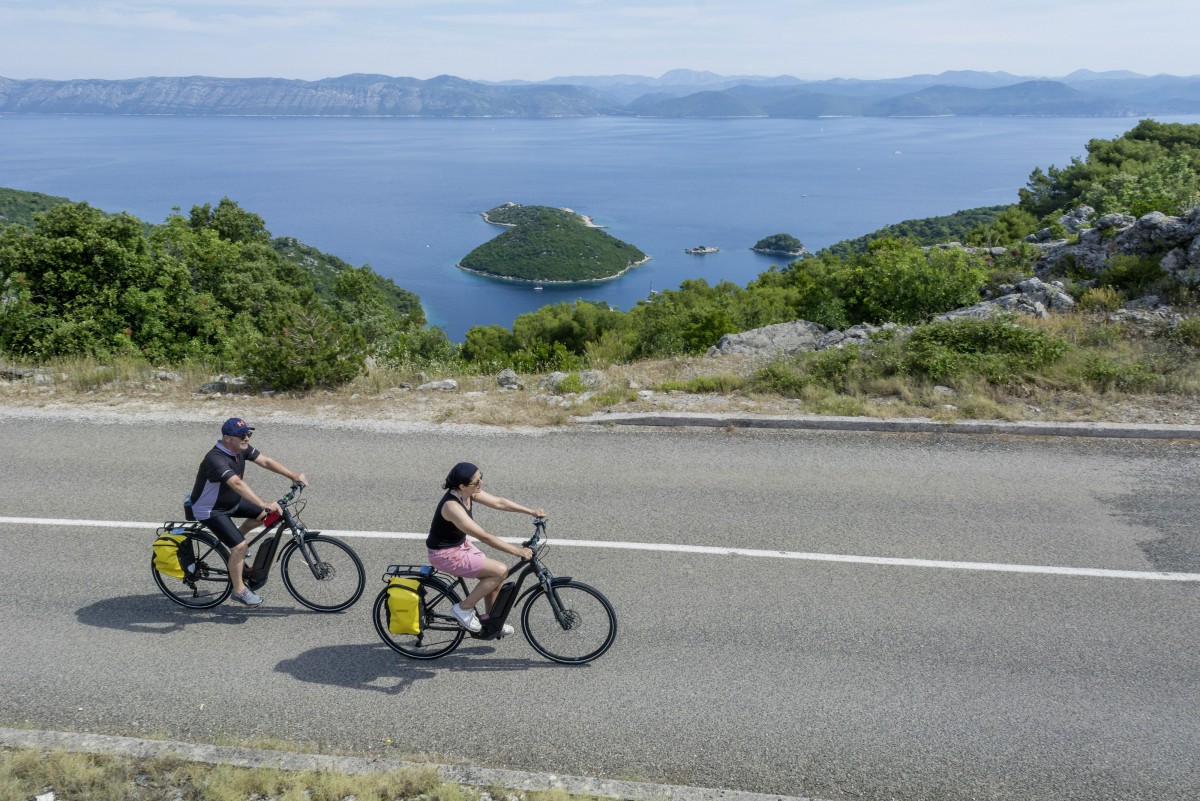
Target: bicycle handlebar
[(293, 493), (539, 531)]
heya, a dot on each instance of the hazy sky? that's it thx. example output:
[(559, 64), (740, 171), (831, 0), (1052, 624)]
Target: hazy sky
[(539, 39)]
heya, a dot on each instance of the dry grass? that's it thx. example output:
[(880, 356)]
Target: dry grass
[(697, 384), (26, 773)]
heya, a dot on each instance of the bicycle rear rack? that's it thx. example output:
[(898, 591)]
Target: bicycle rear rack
[(407, 570), (181, 527)]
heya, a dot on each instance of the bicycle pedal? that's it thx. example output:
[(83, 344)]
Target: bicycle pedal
[(484, 635)]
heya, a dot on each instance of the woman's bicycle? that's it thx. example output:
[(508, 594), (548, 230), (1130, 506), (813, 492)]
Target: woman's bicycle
[(321, 572), (563, 619)]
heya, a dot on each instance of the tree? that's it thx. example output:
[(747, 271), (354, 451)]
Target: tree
[(230, 222), (1011, 225), (358, 299), (1168, 184), (900, 283), (76, 283), (490, 345), (1168, 150), (297, 346)]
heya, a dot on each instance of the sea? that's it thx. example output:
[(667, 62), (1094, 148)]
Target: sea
[(405, 195)]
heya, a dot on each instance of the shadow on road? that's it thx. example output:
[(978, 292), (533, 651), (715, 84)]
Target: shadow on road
[(154, 614), (378, 668)]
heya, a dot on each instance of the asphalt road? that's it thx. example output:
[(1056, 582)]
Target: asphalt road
[(777, 675)]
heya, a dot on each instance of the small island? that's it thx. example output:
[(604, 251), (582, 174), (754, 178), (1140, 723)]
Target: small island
[(700, 250), (780, 245), (549, 245)]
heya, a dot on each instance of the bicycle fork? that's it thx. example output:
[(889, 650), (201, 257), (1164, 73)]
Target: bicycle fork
[(319, 569), (563, 615)]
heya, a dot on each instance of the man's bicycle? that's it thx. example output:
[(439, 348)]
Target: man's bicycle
[(321, 572), (563, 619)]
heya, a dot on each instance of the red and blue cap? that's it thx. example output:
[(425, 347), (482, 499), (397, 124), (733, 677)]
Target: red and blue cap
[(236, 427)]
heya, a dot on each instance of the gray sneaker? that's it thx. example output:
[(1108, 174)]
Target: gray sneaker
[(247, 597)]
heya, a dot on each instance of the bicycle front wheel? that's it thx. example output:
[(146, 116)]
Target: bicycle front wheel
[(206, 585), (573, 623), (325, 574), (440, 632)]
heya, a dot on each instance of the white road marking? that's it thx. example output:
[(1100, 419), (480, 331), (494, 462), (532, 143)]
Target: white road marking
[(712, 550)]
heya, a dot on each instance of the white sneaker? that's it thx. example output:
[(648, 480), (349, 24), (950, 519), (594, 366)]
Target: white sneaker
[(504, 631), (468, 620), (247, 597)]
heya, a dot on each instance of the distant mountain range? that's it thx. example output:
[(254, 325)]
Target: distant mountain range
[(678, 93)]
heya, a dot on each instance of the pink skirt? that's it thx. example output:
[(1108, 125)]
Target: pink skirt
[(463, 560)]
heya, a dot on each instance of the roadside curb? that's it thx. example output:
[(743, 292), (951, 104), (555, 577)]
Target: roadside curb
[(287, 760), (918, 425)]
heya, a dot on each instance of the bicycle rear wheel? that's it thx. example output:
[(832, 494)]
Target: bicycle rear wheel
[(440, 632), (333, 581), (206, 585), (573, 624)]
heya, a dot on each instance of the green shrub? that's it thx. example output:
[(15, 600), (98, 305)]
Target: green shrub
[(705, 384), (933, 360), (298, 348), (785, 378), (1107, 373), (1186, 333), (996, 349), (571, 384), (1100, 299), (420, 348), (1101, 336), (832, 367), (1131, 274), (614, 397)]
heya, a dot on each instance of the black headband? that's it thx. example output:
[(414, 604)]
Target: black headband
[(460, 474)]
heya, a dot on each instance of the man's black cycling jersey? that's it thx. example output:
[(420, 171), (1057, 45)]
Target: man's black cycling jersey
[(211, 492)]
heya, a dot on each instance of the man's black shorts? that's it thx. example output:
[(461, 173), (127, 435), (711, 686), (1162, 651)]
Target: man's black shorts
[(221, 523)]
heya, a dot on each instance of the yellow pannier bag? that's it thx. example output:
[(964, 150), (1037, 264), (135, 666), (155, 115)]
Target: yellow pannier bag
[(404, 605), (166, 555)]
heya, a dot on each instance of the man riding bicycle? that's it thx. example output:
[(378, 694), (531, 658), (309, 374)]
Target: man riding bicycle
[(221, 494)]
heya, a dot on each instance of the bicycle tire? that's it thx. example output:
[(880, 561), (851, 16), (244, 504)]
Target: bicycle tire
[(591, 628), (440, 631), (207, 586), (337, 581)]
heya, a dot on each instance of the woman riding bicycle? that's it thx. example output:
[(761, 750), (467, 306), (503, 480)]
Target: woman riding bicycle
[(451, 552)]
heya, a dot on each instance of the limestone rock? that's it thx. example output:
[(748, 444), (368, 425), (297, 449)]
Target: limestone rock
[(780, 339), (509, 380), (444, 385)]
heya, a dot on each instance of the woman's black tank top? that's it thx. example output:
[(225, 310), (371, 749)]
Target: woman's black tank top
[(443, 533)]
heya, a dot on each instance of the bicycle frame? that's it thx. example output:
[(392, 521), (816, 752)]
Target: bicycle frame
[(511, 590), (255, 575)]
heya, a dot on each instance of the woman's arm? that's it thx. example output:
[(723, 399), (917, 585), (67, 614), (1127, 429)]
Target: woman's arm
[(459, 517), (505, 505)]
